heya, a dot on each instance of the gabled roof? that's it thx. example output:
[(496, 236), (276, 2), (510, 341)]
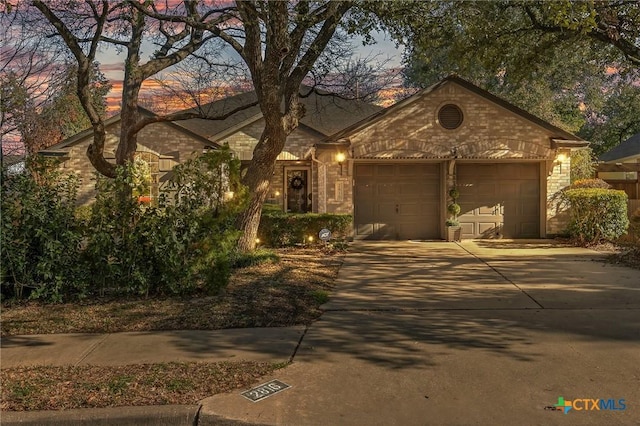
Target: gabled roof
[(70, 141), (626, 149), (465, 84), (325, 113)]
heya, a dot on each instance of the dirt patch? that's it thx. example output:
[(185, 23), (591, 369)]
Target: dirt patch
[(62, 388), (284, 293)]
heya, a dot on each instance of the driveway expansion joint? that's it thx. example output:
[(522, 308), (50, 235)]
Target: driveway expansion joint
[(502, 275), (295, 350)]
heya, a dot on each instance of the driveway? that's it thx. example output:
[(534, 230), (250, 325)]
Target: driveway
[(472, 333)]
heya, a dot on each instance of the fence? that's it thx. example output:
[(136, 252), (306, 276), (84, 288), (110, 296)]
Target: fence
[(632, 206)]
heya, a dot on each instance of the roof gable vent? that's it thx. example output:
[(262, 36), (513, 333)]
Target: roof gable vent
[(450, 116)]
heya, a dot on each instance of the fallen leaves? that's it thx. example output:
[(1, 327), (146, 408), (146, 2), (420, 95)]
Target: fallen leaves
[(267, 295), (61, 388)]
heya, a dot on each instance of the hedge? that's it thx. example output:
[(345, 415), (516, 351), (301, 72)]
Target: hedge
[(278, 229), (597, 214)]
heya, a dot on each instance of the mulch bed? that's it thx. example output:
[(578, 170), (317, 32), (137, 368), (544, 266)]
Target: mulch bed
[(283, 293)]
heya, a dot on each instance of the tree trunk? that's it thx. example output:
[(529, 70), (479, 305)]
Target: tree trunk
[(258, 179)]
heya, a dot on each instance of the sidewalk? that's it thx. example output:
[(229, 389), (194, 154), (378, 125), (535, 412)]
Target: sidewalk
[(415, 334), (252, 344)]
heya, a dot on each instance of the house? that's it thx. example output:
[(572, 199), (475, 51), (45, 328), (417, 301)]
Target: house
[(393, 168), (619, 167), (402, 162), (160, 145)]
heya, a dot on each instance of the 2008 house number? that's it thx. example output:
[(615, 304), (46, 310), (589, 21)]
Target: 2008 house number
[(265, 390)]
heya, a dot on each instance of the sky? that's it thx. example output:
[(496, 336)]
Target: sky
[(111, 64)]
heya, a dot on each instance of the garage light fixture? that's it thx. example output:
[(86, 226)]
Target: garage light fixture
[(340, 157), (560, 158)]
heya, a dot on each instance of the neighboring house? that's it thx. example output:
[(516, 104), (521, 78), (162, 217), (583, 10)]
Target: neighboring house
[(620, 166), (393, 168)]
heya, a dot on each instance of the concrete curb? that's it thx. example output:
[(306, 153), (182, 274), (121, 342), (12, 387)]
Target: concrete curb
[(161, 415)]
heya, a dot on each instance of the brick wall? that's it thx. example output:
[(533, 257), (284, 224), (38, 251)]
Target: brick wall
[(488, 132), (155, 139), (558, 177), (244, 141)]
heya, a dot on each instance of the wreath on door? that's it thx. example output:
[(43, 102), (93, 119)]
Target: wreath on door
[(297, 183)]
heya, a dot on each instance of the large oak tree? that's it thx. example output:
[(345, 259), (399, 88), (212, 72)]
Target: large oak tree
[(566, 61), (278, 42)]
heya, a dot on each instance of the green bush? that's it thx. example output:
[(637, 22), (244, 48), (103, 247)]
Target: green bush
[(182, 246), (256, 257), (53, 251), (40, 237), (278, 229), (589, 183), (597, 214)]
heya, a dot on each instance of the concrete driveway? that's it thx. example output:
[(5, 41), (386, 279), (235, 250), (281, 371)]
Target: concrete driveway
[(472, 333)]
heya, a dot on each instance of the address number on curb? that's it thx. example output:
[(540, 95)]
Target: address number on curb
[(265, 390)]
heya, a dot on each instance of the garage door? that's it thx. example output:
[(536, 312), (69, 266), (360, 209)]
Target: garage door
[(499, 200), (397, 201)]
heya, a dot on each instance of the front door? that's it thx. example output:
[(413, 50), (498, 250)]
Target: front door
[(297, 190)]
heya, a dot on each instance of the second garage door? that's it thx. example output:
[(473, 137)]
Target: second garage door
[(499, 200), (397, 201)]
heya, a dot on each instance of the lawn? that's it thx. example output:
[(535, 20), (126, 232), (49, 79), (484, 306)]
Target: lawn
[(273, 294), (277, 293)]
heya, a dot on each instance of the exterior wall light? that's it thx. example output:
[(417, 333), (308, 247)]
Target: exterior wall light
[(340, 157), (561, 158)]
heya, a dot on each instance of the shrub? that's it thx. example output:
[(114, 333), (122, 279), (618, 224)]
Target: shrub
[(53, 251), (597, 214), (589, 183), (40, 237), (179, 247), (454, 209), (278, 229), (256, 257)]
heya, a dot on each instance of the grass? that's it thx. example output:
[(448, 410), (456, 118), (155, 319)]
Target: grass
[(268, 290), (267, 293), (60, 388)]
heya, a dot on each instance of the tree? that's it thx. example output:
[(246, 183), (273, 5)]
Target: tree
[(562, 61), (85, 27), (617, 120), (278, 43), (44, 117)]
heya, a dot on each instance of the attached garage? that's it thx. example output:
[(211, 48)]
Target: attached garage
[(499, 200), (396, 201)]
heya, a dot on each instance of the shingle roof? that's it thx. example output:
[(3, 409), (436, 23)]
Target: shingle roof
[(628, 148), (325, 113), (64, 144)]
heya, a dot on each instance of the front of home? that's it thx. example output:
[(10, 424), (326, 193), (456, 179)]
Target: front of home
[(393, 168), (402, 163)]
